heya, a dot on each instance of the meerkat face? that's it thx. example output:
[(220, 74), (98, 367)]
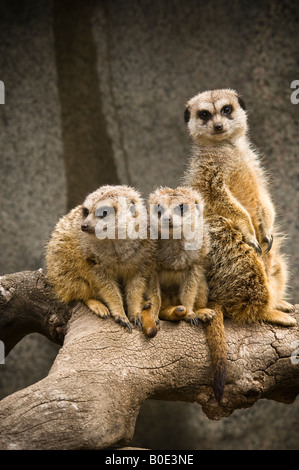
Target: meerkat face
[(215, 116), (174, 211), (111, 211)]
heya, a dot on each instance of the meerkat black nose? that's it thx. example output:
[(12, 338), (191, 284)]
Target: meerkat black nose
[(167, 220), (218, 127), (85, 227)]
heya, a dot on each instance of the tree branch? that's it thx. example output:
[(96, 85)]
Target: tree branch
[(28, 305), (103, 374)]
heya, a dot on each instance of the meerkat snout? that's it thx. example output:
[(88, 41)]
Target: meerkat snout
[(167, 219), (218, 127), (85, 227)]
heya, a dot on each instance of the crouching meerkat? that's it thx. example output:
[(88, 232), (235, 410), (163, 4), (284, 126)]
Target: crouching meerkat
[(180, 260), (227, 172), (92, 257), (183, 247)]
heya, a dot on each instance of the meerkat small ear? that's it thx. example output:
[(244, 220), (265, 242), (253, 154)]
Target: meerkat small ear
[(241, 103), (187, 115)]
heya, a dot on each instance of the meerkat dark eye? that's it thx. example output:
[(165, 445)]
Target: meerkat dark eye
[(181, 209), (204, 115), (85, 212), (158, 209), (227, 109), (102, 212)]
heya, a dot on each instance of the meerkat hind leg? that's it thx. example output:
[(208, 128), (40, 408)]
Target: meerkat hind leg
[(98, 308), (201, 314), (205, 314), (284, 306), (279, 318)]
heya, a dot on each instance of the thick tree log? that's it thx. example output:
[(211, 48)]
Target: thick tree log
[(102, 374)]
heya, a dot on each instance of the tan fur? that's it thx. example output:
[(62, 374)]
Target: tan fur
[(111, 276), (182, 275), (181, 271), (227, 172)]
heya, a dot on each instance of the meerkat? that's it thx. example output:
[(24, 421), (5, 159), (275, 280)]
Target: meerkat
[(91, 257), (227, 172), (180, 261), (183, 247)]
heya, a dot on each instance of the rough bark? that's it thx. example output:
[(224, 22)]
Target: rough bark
[(102, 374), (28, 305)]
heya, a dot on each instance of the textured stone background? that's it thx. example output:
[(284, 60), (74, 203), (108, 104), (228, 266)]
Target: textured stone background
[(95, 93)]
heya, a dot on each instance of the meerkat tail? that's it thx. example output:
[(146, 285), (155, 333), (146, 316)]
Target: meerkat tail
[(173, 313), (148, 323), (217, 345)]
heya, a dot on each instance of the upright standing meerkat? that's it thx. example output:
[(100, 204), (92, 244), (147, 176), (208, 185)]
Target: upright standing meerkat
[(183, 247), (91, 257), (227, 172)]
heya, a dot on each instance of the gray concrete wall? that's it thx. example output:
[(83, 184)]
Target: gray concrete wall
[(95, 94)]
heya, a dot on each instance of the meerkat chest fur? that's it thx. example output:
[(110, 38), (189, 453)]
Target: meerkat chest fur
[(174, 262), (172, 255), (121, 258)]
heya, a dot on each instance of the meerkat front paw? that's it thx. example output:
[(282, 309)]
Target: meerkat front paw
[(123, 321), (146, 321), (285, 306), (98, 308), (191, 318), (205, 314), (135, 319)]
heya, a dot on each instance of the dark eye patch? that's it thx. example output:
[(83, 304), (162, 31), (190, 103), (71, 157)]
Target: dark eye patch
[(85, 212), (204, 114), (102, 212), (181, 209), (158, 209), (133, 208), (226, 110)]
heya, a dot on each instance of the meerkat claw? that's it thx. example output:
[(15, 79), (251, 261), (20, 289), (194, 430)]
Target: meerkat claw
[(147, 305), (192, 319), (124, 323), (269, 242), (256, 247), (136, 321)]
